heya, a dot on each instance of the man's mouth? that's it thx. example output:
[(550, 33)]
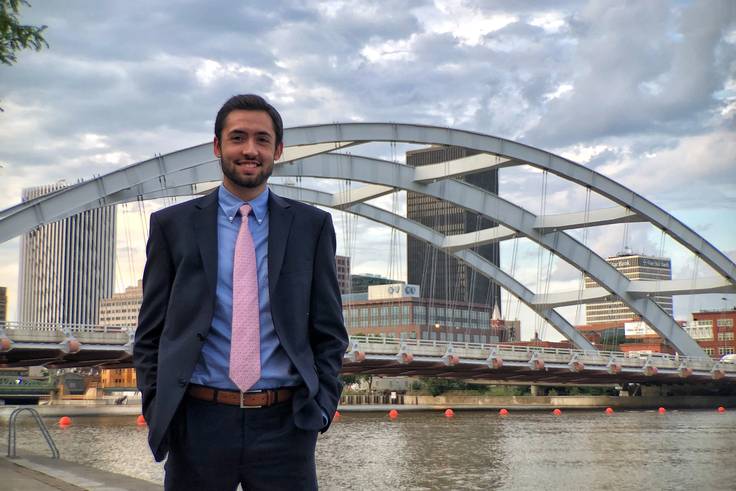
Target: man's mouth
[(248, 163)]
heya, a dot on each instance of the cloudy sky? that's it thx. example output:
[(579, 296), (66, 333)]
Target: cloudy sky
[(641, 91)]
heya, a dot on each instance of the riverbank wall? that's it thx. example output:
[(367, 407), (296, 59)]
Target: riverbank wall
[(568, 402), (442, 402)]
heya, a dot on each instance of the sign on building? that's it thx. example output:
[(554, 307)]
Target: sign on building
[(637, 330), (395, 290)]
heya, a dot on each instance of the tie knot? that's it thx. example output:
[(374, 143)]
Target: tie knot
[(245, 210)]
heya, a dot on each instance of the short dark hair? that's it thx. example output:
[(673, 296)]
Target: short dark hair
[(249, 102)]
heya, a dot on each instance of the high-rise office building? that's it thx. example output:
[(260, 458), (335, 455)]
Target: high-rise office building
[(440, 276), (634, 267), (3, 304), (66, 267)]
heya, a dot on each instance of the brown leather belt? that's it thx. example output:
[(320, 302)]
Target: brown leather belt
[(246, 400)]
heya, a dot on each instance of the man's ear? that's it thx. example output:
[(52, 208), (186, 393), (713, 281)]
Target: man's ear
[(279, 149), (216, 148)]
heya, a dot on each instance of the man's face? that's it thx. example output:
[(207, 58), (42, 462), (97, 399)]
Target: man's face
[(247, 150)]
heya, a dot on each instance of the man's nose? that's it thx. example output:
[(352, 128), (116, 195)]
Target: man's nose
[(249, 148)]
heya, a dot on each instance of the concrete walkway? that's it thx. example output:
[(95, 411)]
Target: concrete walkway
[(44, 473)]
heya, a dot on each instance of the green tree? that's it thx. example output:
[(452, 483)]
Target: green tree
[(15, 36)]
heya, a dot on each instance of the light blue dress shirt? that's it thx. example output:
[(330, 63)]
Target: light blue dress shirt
[(214, 362)]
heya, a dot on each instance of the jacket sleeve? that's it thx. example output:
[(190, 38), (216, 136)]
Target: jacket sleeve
[(158, 277), (328, 335)]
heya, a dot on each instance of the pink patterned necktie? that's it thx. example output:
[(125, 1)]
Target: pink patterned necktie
[(245, 340)]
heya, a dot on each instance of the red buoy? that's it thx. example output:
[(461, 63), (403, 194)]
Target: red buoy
[(449, 413), (336, 416), (140, 421), (65, 421), (609, 410), (393, 414), (503, 412), (662, 410), (556, 412), (721, 409)]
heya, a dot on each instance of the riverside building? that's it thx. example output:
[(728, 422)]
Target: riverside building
[(398, 311), (121, 310), (714, 331)]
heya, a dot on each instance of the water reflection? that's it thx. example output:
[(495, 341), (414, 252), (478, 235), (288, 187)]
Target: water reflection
[(473, 450)]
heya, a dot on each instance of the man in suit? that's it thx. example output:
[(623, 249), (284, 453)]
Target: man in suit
[(240, 336)]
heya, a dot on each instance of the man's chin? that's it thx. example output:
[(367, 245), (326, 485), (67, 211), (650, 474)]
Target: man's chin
[(250, 184)]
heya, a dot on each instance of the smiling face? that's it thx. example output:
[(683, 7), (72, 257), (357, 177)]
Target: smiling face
[(247, 151)]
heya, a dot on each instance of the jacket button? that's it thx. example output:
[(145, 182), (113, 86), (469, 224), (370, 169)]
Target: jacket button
[(182, 382)]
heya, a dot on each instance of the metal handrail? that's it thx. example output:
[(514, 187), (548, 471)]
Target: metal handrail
[(41, 426), (386, 340), (63, 328)]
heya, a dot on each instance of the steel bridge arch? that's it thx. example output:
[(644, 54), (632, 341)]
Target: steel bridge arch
[(306, 146), (415, 229)]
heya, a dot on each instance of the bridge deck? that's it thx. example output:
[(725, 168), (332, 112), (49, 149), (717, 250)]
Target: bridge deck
[(106, 347)]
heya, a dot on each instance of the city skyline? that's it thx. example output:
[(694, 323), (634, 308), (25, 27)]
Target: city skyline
[(643, 93)]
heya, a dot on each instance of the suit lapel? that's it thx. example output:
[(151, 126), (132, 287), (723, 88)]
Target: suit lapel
[(205, 230), (279, 225)]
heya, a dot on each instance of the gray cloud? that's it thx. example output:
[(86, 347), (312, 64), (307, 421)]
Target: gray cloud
[(639, 91), (640, 67)]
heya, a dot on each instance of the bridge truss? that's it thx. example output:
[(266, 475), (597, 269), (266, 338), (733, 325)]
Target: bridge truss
[(321, 152)]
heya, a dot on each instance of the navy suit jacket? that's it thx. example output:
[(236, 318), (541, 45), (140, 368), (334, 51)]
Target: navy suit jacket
[(179, 284)]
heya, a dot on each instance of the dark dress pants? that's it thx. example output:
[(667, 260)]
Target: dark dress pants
[(217, 446)]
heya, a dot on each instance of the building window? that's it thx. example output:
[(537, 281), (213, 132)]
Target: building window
[(708, 351), (724, 323), (725, 336), (728, 350)]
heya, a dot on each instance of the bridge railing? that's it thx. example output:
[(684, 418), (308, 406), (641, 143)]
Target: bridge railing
[(596, 357), (64, 328), (621, 356)]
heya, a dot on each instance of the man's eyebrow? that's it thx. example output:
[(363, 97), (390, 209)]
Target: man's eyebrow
[(241, 132)]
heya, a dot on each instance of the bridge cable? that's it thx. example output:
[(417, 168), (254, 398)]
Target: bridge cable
[(540, 252), (584, 240), (128, 243), (694, 280), (142, 215)]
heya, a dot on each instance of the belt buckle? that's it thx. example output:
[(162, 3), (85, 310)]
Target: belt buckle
[(242, 394)]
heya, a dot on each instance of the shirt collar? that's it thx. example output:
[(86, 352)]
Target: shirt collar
[(230, 204)]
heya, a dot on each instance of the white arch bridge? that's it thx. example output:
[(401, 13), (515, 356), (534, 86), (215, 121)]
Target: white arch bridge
[(319, 152)]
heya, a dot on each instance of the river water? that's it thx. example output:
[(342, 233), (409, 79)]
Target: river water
[(473, 450)]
